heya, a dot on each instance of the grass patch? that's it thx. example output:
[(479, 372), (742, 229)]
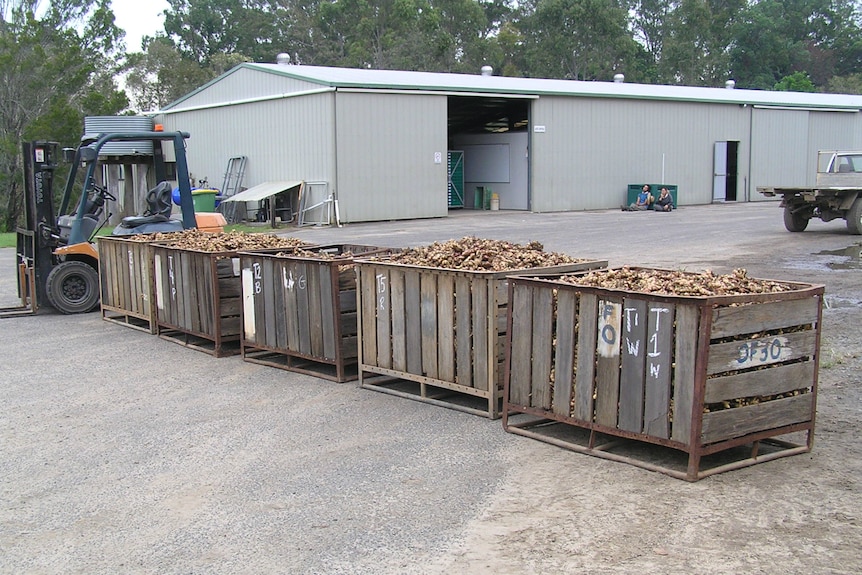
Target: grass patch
[(7, 240)]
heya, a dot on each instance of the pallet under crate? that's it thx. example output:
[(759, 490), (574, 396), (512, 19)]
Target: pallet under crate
[(126, 278), (198, 301), (299, 311), (442, 329), (700, 375)]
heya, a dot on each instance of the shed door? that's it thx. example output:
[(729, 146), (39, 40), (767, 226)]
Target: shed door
[(724, 176)]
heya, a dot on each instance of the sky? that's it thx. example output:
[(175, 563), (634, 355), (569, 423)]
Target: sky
[(139, 18)]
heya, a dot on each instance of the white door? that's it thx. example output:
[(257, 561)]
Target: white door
[(719, 172)]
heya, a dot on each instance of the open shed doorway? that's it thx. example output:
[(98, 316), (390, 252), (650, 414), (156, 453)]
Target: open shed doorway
[(493, 134)]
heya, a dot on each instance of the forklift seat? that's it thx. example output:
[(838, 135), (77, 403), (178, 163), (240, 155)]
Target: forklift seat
[(158, 207)]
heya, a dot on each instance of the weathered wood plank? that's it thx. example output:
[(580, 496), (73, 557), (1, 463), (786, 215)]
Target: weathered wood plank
[(268, 303), (542, 347), (463, 332), (747, 353), (329, 316), (399, 321), (608, 362), (564, 352), (249, 323), (428, 305), (658, 373), (633, 369), (302, 307), (446, 327), (413, 321), (368, 302), (772, 381), (740, 421), (586, 358), (482, 307), (520, 382), (315, 309), (685, 372), (384, 318), (291, 305), (276, 283), (755, 318)]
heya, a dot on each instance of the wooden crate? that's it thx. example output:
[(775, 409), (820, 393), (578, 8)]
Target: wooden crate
[(126, 277), (437, 334), (670, 371), (198, 298), (299, 312)]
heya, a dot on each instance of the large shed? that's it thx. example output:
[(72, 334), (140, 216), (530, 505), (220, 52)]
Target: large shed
[(395, 144)]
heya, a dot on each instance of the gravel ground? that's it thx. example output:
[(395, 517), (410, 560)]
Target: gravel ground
[(124, 453)]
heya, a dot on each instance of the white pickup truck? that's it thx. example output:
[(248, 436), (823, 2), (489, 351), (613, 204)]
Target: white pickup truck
[(836, 194)]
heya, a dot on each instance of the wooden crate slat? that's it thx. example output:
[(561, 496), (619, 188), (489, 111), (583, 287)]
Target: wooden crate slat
[(543, 326), (446, 327), (739, 421), (608, 362), (249, 286), (302, 308), (291, 305), (428, 306), (657, 392), (685, 372), (413, 320), (368, 295), (633, 368), (564, 353), (159, 285), (746, 354), (399, 321), (463, 332), (331, 312), (771, 381), (521, 346), (268, 307), (315, 309), (384, 319), (743, 319), (586, 360), (276, 284), (482, 307)]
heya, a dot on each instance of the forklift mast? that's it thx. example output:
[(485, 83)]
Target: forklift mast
[(37, 239)]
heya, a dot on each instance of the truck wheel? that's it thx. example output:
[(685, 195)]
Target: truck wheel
[(854, 217), (795, 221), (73, 287)]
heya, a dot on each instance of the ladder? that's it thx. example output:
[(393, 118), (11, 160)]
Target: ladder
[(232, 181)]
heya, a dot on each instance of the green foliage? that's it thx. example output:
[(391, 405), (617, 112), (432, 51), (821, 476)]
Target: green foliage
[(795, 82), (56, 68)]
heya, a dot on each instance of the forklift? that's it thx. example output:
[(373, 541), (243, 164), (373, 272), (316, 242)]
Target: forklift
[(56, 258)]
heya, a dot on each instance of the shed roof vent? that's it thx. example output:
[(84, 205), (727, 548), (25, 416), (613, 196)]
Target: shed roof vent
[(283, 59), (487, 71), (730, 84), (619, 78)]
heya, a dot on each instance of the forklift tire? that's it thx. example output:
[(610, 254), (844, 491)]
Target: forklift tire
[(795, 221), (854, 217), (73, 287)]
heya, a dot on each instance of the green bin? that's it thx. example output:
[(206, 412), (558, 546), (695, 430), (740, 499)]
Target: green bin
[(204, 200), (635, 189)]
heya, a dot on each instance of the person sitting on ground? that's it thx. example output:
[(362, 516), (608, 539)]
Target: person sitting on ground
[(664, 203), (642, 202)]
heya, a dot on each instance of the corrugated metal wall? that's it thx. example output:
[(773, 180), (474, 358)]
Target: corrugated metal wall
[(244, 83), (586, 151), (386, 156), (780, 152), (282, 141)]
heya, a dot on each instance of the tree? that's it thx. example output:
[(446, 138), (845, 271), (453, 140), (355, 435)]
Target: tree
[(776, 38), (54, 70), (795, 82), (578, 39)]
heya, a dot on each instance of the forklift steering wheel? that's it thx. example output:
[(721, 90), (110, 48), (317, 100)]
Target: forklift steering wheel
[(104, 192)]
